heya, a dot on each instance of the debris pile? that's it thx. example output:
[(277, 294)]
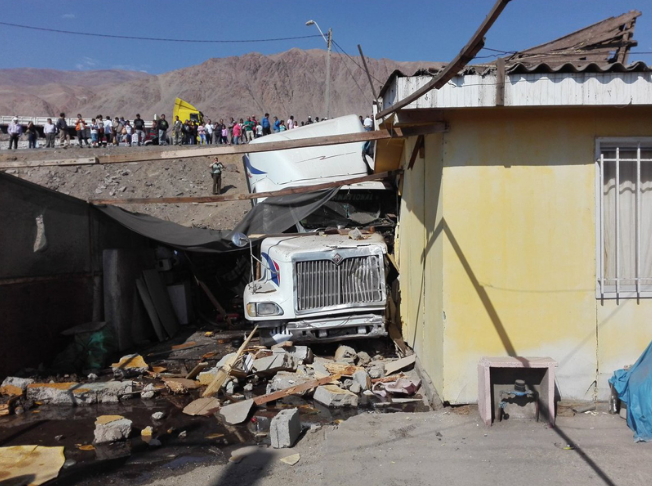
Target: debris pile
[(254, 393)]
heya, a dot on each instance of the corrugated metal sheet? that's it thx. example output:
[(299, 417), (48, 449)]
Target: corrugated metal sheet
[(580, 88)]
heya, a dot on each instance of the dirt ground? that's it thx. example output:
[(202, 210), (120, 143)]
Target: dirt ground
[(441, 447), (168, 178)]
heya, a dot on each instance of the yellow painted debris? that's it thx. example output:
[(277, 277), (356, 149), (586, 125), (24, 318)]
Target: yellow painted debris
[(105, 419), (34, 465), (291, 460), (128, 362)]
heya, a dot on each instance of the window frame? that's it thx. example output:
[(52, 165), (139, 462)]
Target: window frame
[(603, 291)]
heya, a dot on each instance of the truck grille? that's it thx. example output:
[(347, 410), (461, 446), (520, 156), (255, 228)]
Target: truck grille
[(322, 283)]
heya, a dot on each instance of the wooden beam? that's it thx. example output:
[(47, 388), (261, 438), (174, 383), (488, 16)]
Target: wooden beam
[(371, 83), (244, 197), (500, 82), (415, 151), (214, 301), (45, 163), (470, 50), (147, 155), (270, 397)]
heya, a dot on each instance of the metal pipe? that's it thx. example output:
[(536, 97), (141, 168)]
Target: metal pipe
[(601, 224), (617, 222), (638, 221)]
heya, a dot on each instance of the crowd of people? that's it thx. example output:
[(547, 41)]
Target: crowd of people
[(105, 130)]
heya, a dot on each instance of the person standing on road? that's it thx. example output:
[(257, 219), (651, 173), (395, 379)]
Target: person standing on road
[(80, 128), (139, 127), (290, 123), (249, 127), (163, 126), (62, 128), (32, 134), (267, 129), (216, 173), (14, 131), (176, 130), (49, 130), (237, 133), (108, 130)]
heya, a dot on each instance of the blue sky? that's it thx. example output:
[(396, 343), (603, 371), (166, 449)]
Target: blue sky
[(406, 30)]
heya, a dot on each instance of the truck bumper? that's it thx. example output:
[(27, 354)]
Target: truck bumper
[(325, 329)]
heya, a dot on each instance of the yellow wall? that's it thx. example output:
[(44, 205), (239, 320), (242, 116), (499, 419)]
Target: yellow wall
[(509, 261)]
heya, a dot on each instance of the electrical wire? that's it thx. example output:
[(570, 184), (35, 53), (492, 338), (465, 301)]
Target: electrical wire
[(353, 61), (157, 39), (349, 71)]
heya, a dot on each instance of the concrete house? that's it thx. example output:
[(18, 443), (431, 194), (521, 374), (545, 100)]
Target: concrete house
[(526, 227)]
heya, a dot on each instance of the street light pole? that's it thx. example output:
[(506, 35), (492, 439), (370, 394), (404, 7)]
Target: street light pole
[(329, 42)]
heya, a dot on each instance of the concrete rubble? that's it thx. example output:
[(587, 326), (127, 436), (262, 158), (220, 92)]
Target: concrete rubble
[(111, 428), (80, 393), (334, 396), (285, 428)]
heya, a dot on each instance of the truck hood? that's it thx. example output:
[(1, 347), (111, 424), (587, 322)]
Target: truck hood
[(283, 248)]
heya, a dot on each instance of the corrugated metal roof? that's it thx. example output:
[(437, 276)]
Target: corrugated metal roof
[(569, 67)]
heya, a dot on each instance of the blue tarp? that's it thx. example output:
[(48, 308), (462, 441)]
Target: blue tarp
[(634, 387)]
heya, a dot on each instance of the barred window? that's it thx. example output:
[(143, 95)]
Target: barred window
[(625, 218)]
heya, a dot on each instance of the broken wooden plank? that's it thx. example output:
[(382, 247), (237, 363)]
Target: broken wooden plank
[(180, 385), (343, 369), (151, 310), (214, 301), (224, 372), (196, 370), (415, 151), (466, 54), (161, 301), (15, 164), (400, 364), (244, 197), (202, 406), (277, 395)]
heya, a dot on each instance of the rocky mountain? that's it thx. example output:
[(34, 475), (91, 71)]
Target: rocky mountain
[(284, 84)]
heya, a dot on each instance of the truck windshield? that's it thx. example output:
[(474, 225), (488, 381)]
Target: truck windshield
[(354, 207)]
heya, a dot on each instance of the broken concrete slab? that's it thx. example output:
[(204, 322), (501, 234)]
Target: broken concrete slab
[(343, 369), (71, 393), (236, 413), (203, 406), (13, 385), (399, 364), (301, 354), (111, 428), (363, 358), (129, 365), (278, 361), (345, 354), (285, 428), (284, 379), (334, 396), (362, 379)]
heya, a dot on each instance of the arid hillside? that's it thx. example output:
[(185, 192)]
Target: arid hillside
[(284, 84)]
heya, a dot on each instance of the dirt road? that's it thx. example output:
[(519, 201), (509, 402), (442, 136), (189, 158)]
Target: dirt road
[(181, 177)]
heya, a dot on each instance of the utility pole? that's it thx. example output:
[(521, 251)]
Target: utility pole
[(328, 74)]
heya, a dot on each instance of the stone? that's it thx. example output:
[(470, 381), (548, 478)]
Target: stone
[(284, 379), (315, 428), (111, 428), (248, 387), (92, 377), (334, 396), (301, 354), (236, 413), (71, 393), (376, 372), (345, 354), (291, 460), (363, 358), (183, 434), (355, 388), (147, 395), (13, 385), (158, 416), (362, 379), (319, 369), (278, 361), (155, 443), (285, 428), (346, 384)]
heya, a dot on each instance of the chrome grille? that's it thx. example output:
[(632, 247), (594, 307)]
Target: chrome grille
[(322, 283)]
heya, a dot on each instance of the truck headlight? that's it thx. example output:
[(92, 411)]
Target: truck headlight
[(261, 309)]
